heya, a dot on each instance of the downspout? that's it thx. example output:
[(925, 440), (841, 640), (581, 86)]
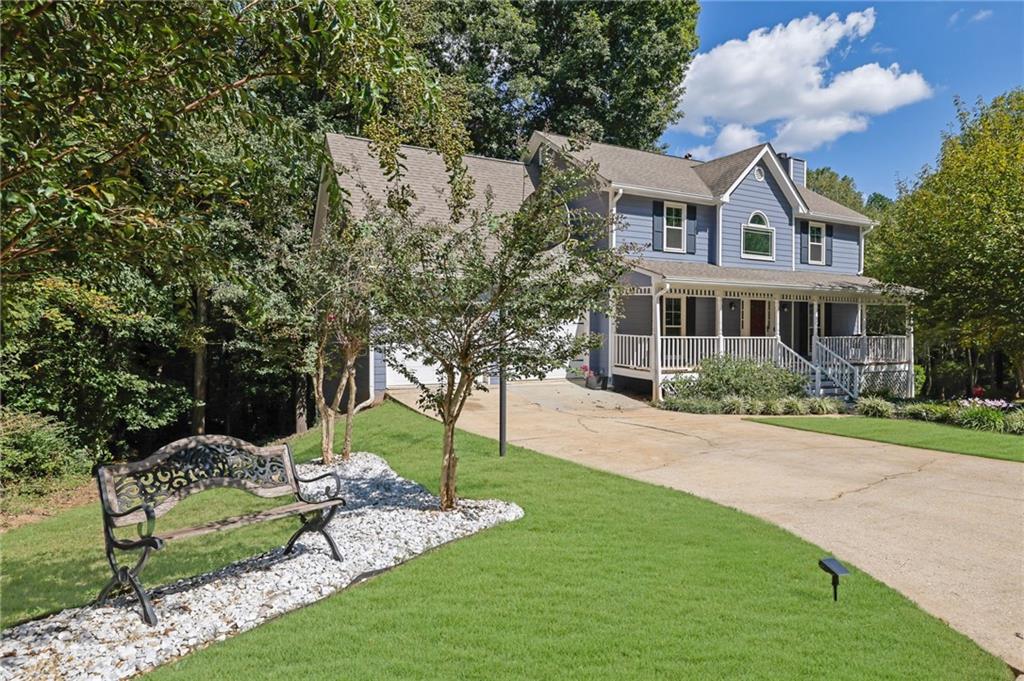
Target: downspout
[(864, 231)]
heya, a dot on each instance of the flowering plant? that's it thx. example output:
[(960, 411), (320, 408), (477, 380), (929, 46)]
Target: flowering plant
[(1002, 405), (585, 370), (977, 391)]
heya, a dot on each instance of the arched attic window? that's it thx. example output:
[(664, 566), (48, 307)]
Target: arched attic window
[(758, 238)]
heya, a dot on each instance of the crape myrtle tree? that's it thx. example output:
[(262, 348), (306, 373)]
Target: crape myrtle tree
[(488, 290), (957, 232), (341, 285)]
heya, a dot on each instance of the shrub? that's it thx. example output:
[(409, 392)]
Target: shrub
[(734, 405), (754, 407), (774, 408), (722, 377), (692, 405), (823, 405), (1013, 422), (876, 407), (920, 376), (980, 418), (925, 411), (35, 448), (795, 406)]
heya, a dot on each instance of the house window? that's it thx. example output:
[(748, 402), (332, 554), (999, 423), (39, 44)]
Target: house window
[(759, 174), (673, 319), (816, 244), (758, 238), (675, 227)]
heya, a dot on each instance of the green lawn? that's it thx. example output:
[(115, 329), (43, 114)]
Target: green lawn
[(605, 578), (921, 434)]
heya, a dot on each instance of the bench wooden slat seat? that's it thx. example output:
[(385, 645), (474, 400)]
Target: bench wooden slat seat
[(138, 493), (275, 513)]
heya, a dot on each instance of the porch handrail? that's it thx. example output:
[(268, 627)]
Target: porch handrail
[(687, 352), (842, 373), (786, 358), (868, 349)]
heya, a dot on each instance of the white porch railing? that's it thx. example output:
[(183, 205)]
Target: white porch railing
[(868, 349), (757, 348), (632, 351), (843, 374), (686, 352), (789, 360)]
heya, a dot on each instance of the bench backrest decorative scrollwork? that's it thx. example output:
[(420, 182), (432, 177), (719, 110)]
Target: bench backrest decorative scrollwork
[(191, 465)]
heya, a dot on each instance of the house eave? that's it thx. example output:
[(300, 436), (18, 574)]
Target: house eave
[(843, 220), (655, 193)]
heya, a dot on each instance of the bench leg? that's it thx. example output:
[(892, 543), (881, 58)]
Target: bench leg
[(317, 523), (127, 578)]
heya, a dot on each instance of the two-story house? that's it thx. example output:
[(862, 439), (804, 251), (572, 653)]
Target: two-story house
[(736, 256)]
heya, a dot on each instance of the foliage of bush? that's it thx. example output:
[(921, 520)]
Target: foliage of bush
[(795, 406), (733, 404), (35, 448), (979, 418), (721, 377), (692, 405), (876, 407), (926, 411), (1013, 422), (823, 405), (920, 376)]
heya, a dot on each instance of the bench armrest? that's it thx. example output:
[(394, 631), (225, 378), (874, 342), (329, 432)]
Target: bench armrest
[(145, 508), (330, 494)]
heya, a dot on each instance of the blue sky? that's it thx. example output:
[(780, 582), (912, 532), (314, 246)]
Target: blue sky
[(866, 91)]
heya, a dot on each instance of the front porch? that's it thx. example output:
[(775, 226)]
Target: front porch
[(673, 328)]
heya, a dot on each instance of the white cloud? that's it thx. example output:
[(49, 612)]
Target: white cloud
[(954, 17), (980, 15), (879, 48), (779, 76), (732, 137)]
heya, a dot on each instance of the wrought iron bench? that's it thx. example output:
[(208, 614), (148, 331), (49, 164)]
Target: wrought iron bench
[(139, 493)]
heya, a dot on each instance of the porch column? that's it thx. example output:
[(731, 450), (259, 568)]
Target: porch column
[(719, 323), (612, 330), (655, 352), (910, 353), (776, 318), (814, 330), (862, 319)]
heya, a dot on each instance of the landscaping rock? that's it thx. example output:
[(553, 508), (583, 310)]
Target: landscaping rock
[(387, 520)]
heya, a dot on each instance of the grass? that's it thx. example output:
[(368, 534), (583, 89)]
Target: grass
[(921, 434), (605, 578)]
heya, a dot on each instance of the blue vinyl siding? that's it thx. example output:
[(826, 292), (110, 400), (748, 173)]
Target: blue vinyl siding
[(845, 251), (768, 198), (380, 382), (599, 356), (798, 171), (637, 217)]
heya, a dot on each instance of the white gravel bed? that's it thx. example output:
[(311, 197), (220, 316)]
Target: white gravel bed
[(387, 520)]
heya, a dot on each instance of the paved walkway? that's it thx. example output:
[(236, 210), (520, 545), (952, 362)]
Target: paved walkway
[(946, 530)]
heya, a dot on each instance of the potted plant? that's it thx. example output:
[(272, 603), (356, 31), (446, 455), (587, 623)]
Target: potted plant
[(594, 380)]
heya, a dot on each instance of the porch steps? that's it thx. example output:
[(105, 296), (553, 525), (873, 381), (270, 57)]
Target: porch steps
[(829, 389)]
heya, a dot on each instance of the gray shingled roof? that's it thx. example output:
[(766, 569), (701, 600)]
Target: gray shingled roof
[(360, 174), (710, 179), (633, 167), (826, 207), (817, 281), (720, 173)]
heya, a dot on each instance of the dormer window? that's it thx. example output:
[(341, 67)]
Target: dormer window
[(758, 238)]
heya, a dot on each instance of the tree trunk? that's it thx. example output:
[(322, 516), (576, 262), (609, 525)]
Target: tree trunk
[(448, 465), (199, 367), (299, 394), (323, 411), (1018, 370), (350, 412)]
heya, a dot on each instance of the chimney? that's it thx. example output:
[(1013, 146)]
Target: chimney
[(796, 167)]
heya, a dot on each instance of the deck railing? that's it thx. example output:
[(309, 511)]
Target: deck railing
[(757, 348), (686, 352), (868, 349), (789, 360), (632, 351), (845, 375)]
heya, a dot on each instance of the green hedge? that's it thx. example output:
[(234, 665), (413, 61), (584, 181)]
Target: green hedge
[(724, 377), (734, 404)]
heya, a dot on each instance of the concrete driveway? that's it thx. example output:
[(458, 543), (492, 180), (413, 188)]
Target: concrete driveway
[(946, 530)]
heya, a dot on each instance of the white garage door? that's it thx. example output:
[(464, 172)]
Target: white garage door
[(426, 375)]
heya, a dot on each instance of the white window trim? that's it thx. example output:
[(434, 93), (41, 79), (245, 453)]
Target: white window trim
[(767, 227), (665, 227), (820, 225)]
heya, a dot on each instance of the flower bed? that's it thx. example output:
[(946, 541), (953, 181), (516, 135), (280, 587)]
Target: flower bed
[(733, 404), (998, 416)]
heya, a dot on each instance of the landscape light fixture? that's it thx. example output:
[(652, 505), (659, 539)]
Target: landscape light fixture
[(836, 569)]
